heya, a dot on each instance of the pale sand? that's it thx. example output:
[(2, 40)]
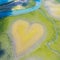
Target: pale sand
[(16, 0), (18, 7), (53, 9), (25, 35)]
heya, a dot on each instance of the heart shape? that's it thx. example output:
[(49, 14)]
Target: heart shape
[(25, 35)]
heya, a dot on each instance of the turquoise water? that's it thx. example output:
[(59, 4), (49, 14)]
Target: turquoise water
[(15, 12)]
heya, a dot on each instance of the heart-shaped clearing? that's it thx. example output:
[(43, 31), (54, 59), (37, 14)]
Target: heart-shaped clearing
[(25, 35)]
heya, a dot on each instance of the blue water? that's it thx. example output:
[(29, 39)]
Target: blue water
[(15, 12), (5, 1)]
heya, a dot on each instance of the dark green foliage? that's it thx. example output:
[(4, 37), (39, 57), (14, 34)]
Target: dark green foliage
[(2, 52)]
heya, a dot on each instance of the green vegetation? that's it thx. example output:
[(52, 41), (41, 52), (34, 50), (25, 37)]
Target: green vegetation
[(57, 1), (42, 51), (36, 16), (6, 48)]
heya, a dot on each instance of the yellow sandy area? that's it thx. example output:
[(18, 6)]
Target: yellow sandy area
[(54, 9), (16, 0), (25, 35), (18, 7)]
